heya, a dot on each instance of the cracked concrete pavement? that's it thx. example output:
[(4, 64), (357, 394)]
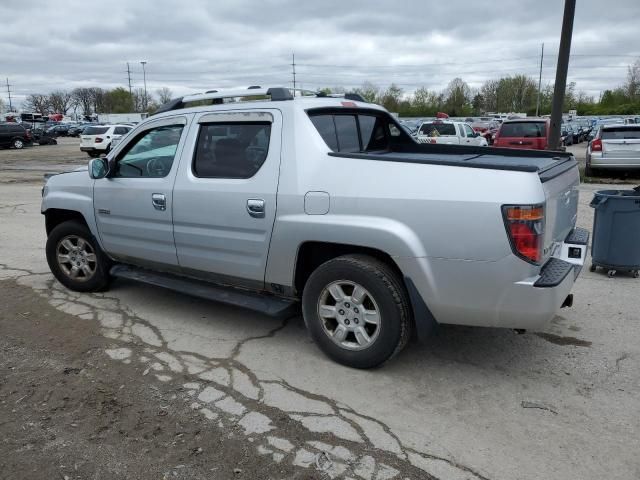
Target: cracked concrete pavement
[(451, 409)]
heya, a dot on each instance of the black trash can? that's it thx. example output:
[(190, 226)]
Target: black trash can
[(616, 231)]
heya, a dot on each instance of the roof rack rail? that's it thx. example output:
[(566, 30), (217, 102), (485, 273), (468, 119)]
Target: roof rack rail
[(356, 97), (277, 94), (217, 96)]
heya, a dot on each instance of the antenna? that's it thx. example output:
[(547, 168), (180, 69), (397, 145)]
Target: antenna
[(9, 94), (293, 72)]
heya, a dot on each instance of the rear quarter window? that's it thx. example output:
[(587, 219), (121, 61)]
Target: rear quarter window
[(523, 129)]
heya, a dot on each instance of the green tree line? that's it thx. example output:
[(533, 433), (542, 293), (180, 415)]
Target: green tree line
[(517, 93)]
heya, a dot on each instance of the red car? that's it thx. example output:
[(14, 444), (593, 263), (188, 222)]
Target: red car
[(530, 133)]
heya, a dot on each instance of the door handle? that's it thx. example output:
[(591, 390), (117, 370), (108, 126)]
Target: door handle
[(255, 207), (159, 201)]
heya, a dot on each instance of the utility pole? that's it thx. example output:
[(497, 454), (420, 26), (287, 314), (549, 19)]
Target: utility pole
[(144, 77), (129, 76), (9, 94), (293, 71), (561, 73), (539, 82)]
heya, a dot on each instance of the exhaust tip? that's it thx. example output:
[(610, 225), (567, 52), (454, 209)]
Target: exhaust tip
[(568, 302)]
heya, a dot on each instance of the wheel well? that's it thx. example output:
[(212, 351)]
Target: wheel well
[(56, 216), (313, 254)]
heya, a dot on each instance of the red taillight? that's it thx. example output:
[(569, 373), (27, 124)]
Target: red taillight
[(525, 226), (596, 145), (98, 140)]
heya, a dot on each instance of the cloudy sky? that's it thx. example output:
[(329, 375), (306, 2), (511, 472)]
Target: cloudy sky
[(196, 45)]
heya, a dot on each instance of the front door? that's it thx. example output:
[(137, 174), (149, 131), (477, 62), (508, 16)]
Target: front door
[(224, 200), (133, 205)]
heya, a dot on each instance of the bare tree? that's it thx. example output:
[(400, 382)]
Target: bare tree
[(98, 100), (37, 103), (60, 101), (164, 95), (369, 92), (84, 99), (632, 87)]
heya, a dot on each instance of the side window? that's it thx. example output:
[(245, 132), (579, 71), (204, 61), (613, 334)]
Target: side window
[(373, 133), (121, 130), (347, 131), (460, 130), (231, 150), (468, 130), (327, 130), (150, 154)]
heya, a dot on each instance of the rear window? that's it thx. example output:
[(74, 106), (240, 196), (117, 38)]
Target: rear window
[(351, 133), (95, 130), (437, 129), (523, 129), (620, 133)]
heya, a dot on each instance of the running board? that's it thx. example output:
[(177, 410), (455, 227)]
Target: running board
[(263, 303)]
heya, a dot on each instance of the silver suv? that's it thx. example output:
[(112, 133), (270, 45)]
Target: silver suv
[(328, 203)]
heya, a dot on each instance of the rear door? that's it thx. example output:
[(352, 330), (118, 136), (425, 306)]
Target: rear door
[(89, 135), (133, 206), (526, 134), (224, 200), (621, 143)]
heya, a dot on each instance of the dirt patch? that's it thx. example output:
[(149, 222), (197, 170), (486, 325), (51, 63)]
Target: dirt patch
[(68, 411)]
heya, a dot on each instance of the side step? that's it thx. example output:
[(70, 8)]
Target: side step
[(262, 303)]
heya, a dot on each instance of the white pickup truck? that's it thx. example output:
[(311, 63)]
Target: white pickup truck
[(328, 203), (449, 133)]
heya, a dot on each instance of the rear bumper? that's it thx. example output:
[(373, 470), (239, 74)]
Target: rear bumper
[(92, 149), (508, 293), (596, 160)]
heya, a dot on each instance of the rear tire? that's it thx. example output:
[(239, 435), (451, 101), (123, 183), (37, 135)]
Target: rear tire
[(17, 143), (357, 311), (75, 258)]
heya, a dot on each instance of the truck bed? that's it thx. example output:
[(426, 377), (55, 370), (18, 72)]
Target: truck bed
[(548, 164)]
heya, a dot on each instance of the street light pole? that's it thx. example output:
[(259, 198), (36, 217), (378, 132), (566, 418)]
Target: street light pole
[(561, 73), (144, 77)]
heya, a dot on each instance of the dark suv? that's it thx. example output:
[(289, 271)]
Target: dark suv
[(14, 135)]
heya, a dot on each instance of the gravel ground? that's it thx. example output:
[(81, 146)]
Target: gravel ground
[(131, 383)]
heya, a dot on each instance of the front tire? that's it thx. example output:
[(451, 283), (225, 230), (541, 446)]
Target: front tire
[(75, 258), (18, 144), (357, 311)]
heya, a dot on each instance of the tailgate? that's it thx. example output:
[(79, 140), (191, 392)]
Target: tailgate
[(86, 141), (561, 193), (629, 148)]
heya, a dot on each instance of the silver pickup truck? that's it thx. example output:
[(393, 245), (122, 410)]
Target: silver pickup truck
[(267, 201)]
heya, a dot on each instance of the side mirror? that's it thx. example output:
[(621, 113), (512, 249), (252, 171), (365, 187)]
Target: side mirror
[(98, 168)]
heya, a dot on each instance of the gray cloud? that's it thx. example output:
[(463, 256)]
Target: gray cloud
[(198, 44)]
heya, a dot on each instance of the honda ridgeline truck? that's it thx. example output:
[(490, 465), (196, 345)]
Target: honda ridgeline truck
[(277, 200)]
